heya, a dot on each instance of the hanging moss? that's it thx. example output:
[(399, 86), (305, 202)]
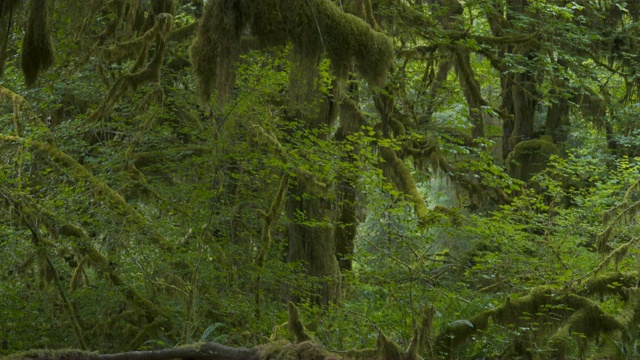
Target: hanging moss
[(133, 48), (204, 51), (157, 7), (37, 49), (313, 27)]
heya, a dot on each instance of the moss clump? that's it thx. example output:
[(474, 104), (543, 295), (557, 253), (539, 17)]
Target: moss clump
[(312, 27), (283, 350), (37, 49), (530, 157)]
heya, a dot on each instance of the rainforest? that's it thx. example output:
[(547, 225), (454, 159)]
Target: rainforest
[(319, 179)]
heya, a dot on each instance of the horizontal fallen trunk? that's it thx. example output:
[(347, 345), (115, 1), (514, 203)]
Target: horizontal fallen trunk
[(206, 351), (307, 350)]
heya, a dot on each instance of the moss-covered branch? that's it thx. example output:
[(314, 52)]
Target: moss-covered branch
[(101, 189), (265, 239), (136, 78), (206, 351), (270, 218), (399, 173), (575, 313), (626, 209), (81, 244), (134, 47)]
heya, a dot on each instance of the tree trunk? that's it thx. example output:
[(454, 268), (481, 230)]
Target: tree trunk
[(311, 210), (519, 90), (311, 236), (523, 91), (557, 121)]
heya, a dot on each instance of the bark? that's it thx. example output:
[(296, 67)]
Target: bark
[(345, 231), (523, 90)]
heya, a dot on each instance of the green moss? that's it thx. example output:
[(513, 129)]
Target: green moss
[(396, 170), (295, 325), (388, 349), (363, 354), (534, 147), (547, 138), (613, 283)]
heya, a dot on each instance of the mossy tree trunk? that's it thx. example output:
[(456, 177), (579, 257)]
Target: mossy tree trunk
[(557, 121), (311, 210), (345, 231), (312, 237)]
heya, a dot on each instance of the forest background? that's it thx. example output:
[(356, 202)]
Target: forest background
[(315, 179)]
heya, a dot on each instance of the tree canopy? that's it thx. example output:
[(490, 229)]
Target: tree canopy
[(319, 179)]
